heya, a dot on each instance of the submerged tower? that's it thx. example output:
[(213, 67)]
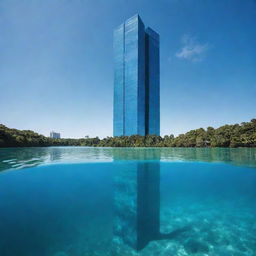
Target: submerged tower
[(136, 79)]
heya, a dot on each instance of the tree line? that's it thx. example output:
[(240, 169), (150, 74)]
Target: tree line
[(237, 135)]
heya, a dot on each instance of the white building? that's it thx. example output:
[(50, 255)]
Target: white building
[(55, 135)]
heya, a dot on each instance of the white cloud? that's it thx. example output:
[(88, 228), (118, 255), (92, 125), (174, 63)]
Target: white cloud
[(192, 50)]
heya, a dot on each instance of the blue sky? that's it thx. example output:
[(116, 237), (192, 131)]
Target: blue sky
[(56, 63)]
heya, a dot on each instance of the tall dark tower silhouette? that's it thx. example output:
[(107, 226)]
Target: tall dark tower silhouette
[(136, 79)]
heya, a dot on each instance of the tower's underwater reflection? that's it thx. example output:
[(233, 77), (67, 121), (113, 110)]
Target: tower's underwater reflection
[(148, 203), (137, 207)]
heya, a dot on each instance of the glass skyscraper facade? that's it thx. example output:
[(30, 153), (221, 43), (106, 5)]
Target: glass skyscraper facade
[(136, 79)]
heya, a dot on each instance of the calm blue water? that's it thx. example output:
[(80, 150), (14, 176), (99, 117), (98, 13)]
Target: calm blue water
[(87, 201)]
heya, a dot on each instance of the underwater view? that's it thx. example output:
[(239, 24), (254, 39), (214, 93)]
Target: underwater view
[(82, 201)]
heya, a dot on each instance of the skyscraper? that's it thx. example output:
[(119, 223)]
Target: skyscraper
[(136, 79)]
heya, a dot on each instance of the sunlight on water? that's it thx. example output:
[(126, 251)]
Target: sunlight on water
[(26, 157), (111, 201)]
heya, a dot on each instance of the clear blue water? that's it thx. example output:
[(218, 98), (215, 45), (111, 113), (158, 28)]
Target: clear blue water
[(84, 201)]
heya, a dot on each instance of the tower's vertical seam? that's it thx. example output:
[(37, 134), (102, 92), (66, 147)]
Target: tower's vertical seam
[(124, 81), (146, 84), (138, 78)]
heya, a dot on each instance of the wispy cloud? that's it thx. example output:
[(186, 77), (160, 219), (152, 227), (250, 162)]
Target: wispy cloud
[(191, 49)]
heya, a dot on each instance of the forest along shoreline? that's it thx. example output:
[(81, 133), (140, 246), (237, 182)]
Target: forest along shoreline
[(236, 135)]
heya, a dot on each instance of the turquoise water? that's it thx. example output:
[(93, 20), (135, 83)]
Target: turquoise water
[(77, 201)]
